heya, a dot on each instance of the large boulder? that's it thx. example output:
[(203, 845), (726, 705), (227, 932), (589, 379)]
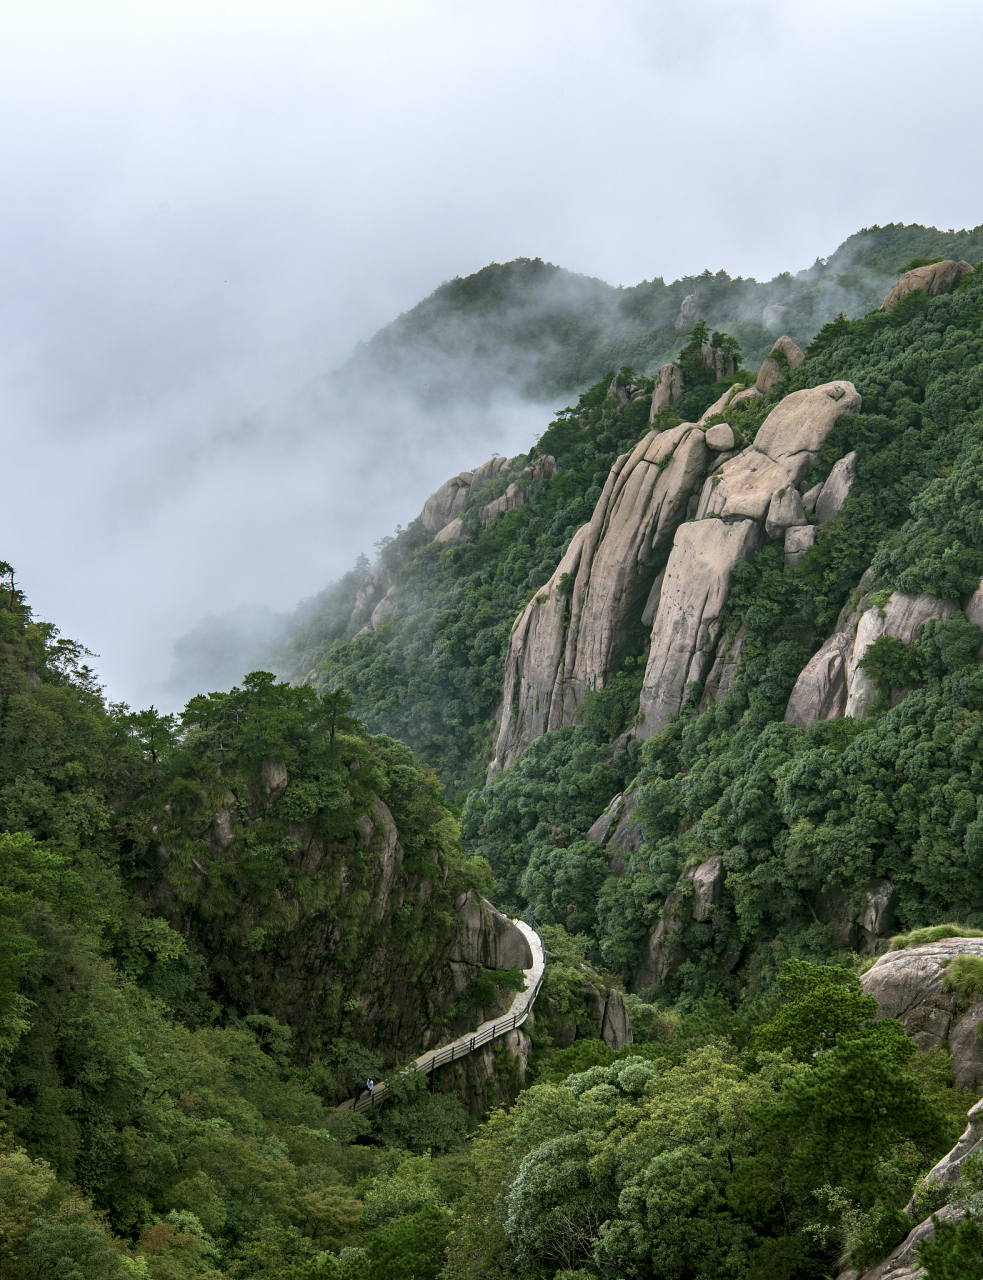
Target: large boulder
[(784, 450), (695, 900), (785, 354), (447, 503), (488, 938), (689, 618), (688, 311), (829, 501), (667, 390), (909, 986), (900, 617), (618, 831), (832, 683), (936, 278)]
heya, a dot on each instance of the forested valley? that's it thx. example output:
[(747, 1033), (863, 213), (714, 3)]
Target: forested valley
[(686, 702)]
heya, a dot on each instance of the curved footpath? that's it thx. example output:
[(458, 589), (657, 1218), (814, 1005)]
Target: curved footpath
[(463, 1045)]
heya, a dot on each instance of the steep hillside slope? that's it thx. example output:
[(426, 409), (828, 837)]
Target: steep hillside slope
[(541, 331)]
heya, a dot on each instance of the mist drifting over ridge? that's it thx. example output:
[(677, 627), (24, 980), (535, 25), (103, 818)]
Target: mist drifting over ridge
[(485, 358)]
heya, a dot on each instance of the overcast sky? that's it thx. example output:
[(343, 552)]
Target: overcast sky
[(204, 206)]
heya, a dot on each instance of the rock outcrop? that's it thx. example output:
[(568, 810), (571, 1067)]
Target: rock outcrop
[(570, 637), (689, 309), (832, 683), (935, 278), (486, 937), (618, 831), (511, 498), (643, 554), (784, 450), (909, 986), (447, 503), (667, 390), (695, 898), (785, 354), (860, 919), (689, 618), (828, 502), (900, 617)]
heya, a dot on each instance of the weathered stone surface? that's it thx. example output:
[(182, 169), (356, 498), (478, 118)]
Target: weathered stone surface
[(688, 311), (798, 540), (708, 883), (797, 427), (668, 388), (567, 644), (811, 497), (836, 490), (970, 1143), (749, 393), (908, 985), (769, 373), (453, 532), (784, 511), (858, 919), (615, 1027), (511, 498), (377, 581), (900, 617), (602, 827), (543, 467), (786, 446), (489, 470), (821, 690), (533, 664), (447, 503), (273, 778), (720, 437), (935, 279), (973, 609), (791, 351), (902, 1263), (487, 937), (687, 625), (724, 669), (383, 609)]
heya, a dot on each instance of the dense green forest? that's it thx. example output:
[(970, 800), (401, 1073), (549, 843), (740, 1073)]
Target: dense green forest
[(218, 925)]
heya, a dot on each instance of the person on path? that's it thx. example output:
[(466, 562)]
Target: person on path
[(370, 1085)]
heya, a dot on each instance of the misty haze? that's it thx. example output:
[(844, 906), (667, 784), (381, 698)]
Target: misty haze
[(491, 640)]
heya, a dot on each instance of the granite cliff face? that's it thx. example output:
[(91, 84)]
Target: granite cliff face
[(676, 516)]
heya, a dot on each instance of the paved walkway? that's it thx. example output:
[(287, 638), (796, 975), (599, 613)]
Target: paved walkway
[(463, 1045)]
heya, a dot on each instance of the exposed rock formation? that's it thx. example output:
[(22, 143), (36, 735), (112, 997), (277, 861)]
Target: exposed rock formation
[(618, 831), (935, 279), (720, 438), (688, 622), (695, 900), (688, 311), (785, 511), (570, 637), (950, 1166), (900, 617), (798, 540), (858, 920), (376, 583), (784, 450), (908, 986), (453, 532), (718, 682), (511, 498), (902, 1263), (784, 355), (667, 390), (832, 683), (447, 503), (487, 937), (830, 499)]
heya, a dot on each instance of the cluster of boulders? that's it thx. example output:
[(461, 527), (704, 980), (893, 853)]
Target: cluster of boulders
[(443, 517), (675, 518)]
